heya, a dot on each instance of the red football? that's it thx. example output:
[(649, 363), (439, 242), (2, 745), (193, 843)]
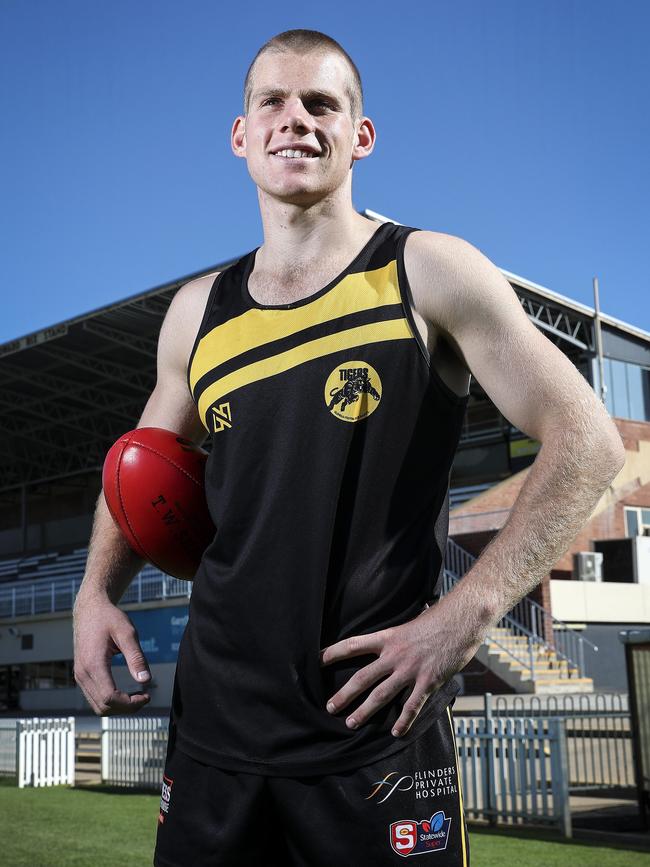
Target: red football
[(153, 484)]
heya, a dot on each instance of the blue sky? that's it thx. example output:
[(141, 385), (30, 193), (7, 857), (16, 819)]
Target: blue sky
[(520, 126)]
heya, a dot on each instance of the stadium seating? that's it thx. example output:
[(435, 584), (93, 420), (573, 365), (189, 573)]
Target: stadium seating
[(54, 564)]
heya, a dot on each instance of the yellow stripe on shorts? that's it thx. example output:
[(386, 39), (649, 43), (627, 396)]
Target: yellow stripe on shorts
[(460, 793)]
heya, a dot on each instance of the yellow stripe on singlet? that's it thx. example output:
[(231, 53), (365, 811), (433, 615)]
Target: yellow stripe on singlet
[(460, 792), (375, 332), (361, 291)]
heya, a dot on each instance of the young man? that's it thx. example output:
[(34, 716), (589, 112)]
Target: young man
[(310, 722)]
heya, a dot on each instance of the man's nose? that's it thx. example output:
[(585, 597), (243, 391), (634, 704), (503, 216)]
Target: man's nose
[(296, 116)]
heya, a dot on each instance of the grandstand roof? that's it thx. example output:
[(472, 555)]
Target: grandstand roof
[(70, 390)]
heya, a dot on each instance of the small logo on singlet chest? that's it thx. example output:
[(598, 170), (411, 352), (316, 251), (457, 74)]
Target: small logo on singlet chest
[(353, 390), (221, 418)]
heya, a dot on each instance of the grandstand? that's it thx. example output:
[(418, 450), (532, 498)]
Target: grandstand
[(70, 390)]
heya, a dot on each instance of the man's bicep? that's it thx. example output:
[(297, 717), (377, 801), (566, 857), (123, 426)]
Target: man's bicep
[(170, 405), (529, 379)]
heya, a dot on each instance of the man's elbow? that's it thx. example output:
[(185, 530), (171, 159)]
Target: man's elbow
[(608, 446), (609, 452), (594, 439), (618, 455), (613, 447)]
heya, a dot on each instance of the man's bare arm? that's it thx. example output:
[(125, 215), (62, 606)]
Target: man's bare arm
[(112, 563), (466, 298), (538, 390), (101, 629)]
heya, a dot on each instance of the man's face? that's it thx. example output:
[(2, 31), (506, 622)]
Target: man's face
[(300, 101)]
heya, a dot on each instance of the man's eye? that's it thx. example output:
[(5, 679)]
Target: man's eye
[(316, 102)]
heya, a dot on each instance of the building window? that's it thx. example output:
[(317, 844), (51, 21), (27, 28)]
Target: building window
[(637, 521), (48, 675), (628, 390)]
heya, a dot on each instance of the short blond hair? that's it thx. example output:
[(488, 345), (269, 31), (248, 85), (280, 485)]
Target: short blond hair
[(302, 42)]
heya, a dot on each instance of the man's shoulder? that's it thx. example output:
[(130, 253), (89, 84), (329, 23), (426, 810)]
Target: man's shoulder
[(186, 309), (434, 264), (198, 287), (451, 280), (190, 298), (429, 250)]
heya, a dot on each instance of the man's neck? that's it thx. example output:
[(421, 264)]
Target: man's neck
[(297, 239)]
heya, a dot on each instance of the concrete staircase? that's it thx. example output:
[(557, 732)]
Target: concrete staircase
[(531, 667), (529, 649)]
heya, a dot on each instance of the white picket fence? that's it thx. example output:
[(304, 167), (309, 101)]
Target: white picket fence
[(133, 750), (514, 770), (43, 750)]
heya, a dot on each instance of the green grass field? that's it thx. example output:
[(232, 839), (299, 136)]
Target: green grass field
[(66, 827)]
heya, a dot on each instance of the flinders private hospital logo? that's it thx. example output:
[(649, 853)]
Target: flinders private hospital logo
[(353, 390)]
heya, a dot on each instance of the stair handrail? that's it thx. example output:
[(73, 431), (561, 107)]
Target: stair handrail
[(561, 623), (568, 644), (533, 639), (518, 630), (529, 656)]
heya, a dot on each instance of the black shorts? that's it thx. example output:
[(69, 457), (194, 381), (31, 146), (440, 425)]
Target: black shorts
[(409, 803)]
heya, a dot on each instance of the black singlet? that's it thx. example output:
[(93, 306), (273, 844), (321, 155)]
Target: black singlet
[(328, 481)]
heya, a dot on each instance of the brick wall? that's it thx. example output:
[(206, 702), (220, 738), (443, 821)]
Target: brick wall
[(475, 523)]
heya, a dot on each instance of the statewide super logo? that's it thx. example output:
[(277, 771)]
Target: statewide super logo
[(165, 797), (353, 390), (409, 837)]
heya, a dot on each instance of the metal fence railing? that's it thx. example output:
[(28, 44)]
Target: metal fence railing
[(48, 595), (598, 733), (514, 771)]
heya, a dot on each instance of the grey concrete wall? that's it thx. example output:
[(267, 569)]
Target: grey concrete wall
[(607, 667), (53, 701), (52, 639)]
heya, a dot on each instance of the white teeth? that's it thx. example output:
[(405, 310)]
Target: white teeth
[(292, 154)]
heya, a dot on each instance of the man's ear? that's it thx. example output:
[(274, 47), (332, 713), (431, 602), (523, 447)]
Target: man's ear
[(366, 137), (238, 137)]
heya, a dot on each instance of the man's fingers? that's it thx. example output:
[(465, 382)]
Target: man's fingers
[(101, 630), (105, 698), (135, 659), (381, 695), (358, 683), (119, 702), (131, 702), (109, 699), (412, 707), (82, 682), (356, 645)]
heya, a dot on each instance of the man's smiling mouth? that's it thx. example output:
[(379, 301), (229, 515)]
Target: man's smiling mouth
[(291, 154)]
